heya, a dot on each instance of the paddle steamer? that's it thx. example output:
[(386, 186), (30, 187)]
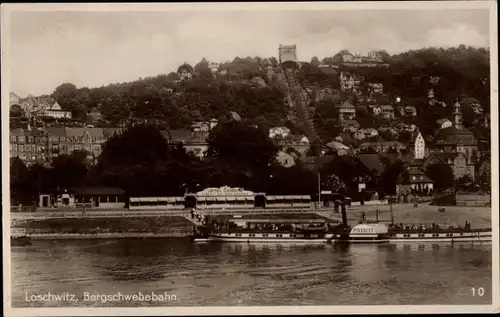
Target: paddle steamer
[(311, 228)]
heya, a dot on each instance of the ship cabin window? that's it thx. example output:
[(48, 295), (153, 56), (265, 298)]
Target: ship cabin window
[(421, 235), (238, 234), (293, 235), (279, 235), (264, 234), (252, 234)]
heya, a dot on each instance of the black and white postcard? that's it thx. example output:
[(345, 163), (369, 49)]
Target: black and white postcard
[(250, 158)]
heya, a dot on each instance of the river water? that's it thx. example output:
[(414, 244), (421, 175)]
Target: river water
[(186, 274)]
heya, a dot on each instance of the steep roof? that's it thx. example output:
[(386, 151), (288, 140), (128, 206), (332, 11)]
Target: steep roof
[(337, 146), (453, 135), (176, 135), (197, 138), (445, 156), (469, 100), (372, 162), (345, 105), (413, 175), (79, 132), (56, 131), (442, 120), (382, 143)]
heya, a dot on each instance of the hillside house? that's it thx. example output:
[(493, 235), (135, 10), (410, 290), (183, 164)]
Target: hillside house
[(443, 123), (413, 180), (376, 109), (383, 146), (418, 146), (349, 125), (338, 148), (457, 161), (197, 144), (55, 111), (472, 103), (375, 88), (369, 132), (281, 132), (285, 159), (387, 112), (345, 111)]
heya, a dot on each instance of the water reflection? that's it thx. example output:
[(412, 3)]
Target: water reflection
[(256, 274)]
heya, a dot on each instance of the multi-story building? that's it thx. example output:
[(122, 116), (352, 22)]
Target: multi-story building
[(456, 160), (281, 132), (387, 111), (418, 147), (443, 123), (31, 146), (345, 111), (383, 146), (14, 99), (42, 145), (457, 138), (55, 111)]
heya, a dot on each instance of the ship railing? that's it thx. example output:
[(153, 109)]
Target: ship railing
[(437, 230)]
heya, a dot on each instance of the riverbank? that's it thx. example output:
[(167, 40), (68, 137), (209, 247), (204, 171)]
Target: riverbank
[(103, 235), (162, 226), (61, 228)]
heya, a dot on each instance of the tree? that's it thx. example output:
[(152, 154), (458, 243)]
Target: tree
[(140, 144), (470, 117), (334, 183), (345, 169), (240, 145), (16, 111), (315, 61), (294, 180), (465, 182), (67, 96), (441, 174), (20, 186), (140, 161), (203, 70), (70, 170), (390, 176)]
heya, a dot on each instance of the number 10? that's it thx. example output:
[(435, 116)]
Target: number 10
[(479, 291)]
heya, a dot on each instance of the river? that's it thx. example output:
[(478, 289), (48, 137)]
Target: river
[(241, 274)]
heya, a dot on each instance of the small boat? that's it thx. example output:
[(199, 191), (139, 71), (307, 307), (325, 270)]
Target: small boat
[(18, 237)]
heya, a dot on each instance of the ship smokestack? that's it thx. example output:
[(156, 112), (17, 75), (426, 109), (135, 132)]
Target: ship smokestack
[(344, 214)]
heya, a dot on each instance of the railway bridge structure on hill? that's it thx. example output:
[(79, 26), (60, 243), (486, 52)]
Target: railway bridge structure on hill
[(298, 95)]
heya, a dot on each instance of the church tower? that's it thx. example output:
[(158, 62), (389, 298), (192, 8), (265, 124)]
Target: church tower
[(457, 116)]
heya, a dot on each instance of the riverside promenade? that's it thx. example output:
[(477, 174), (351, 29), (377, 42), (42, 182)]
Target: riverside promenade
[(402, 213)]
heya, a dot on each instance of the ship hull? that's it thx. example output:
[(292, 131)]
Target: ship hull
[(475, 237), (20, 241)]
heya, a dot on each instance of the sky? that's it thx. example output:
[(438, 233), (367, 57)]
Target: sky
[(90, 49)]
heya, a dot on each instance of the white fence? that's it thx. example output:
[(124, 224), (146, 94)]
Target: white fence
[(371, 203)]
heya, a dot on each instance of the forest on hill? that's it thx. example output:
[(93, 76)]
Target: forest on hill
[(253, 87)]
